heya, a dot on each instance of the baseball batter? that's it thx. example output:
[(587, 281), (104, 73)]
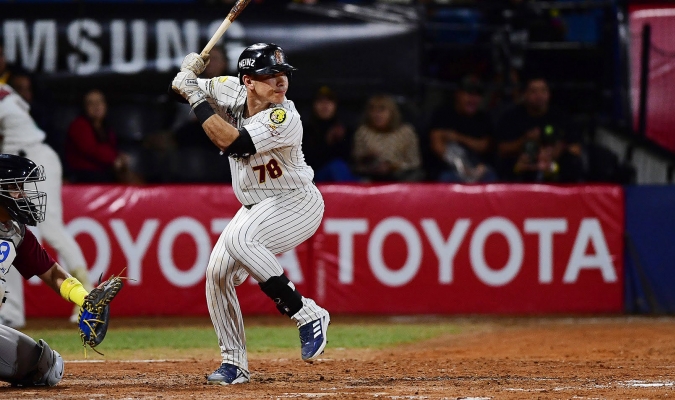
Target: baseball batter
[(20, 135), (251, 121), (23, 361)]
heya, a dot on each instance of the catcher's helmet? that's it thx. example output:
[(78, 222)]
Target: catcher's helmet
[(18, 189), (263, 59)]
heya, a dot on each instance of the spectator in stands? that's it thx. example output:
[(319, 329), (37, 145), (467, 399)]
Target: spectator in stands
[(91, 145), (385, 148), (461, 136), (22, 83), (327, 140), (536, 143)]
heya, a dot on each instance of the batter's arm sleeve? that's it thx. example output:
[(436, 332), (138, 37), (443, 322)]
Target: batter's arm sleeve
[(242, 146), (275, 128)]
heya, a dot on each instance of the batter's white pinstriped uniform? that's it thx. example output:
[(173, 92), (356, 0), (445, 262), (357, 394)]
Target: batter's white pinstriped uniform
[(281, 208)]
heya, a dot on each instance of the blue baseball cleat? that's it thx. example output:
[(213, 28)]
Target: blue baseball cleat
[(227, 374), (313, 338)]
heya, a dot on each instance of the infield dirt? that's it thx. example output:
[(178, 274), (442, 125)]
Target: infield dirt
[(492, 358)]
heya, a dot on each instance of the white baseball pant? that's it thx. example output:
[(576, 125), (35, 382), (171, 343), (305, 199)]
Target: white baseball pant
[(248, 246)]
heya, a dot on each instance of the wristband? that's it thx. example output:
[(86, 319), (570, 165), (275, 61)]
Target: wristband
[(72, 290), (203, 111)]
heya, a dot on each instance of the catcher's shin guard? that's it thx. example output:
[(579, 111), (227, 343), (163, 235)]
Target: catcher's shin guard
[(49, 366), (48, 369), (282, 291)]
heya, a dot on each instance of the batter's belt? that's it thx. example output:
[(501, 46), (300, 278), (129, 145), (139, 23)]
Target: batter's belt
[(249, 206)]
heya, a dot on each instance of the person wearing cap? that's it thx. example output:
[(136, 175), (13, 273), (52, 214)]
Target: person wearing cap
[(461, 136), (327, 140)]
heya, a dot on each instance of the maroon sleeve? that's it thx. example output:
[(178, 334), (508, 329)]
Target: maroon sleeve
[(31, 258)]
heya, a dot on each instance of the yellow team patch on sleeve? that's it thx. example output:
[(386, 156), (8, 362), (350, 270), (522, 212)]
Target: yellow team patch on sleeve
[(278, 115), (222, 79)]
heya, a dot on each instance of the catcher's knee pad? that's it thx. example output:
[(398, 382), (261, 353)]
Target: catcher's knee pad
[(49, 367), (282, 291)]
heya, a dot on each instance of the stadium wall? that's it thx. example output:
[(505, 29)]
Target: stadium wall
[(650, 235), (382, 249)]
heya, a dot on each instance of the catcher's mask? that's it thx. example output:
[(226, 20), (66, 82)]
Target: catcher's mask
[(263, 59), (18, 189)]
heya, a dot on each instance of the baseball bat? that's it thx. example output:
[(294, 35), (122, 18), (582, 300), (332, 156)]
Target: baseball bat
[(237, 8)]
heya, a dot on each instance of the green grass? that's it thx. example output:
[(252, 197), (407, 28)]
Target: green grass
[(180, 341)]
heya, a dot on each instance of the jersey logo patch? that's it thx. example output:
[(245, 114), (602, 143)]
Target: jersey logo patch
[(278, 115), (222, 79), (279, 57), (7, 255), (4, 251)]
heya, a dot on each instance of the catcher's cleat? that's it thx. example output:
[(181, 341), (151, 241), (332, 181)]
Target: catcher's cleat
[(227, 374), (313, 338)]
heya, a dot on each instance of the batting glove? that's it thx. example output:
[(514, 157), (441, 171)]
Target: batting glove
[(195, 63), (185, 84)]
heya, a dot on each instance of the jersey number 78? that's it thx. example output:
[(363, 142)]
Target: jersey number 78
[(272, 168)]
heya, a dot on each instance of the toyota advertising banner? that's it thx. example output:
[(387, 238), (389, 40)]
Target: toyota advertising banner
[(471, 249), (389, 249)]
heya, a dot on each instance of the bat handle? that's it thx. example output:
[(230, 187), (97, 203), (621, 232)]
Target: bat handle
[(216, 36)]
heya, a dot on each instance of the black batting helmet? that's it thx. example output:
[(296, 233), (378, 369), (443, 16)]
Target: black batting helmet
[(18, 189), (263, 59)]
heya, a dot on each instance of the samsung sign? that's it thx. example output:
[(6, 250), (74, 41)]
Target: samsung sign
[(89, 46)]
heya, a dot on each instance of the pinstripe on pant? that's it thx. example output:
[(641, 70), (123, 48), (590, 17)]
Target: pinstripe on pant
[(248, 246)]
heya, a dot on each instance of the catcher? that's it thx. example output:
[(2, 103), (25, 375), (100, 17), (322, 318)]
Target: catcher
[(23, 361)]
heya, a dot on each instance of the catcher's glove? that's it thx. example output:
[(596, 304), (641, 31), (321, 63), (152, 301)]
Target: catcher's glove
[(95, 312)]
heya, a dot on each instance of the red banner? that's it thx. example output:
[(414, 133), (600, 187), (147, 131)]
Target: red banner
[(471, 249), (394, 249)]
